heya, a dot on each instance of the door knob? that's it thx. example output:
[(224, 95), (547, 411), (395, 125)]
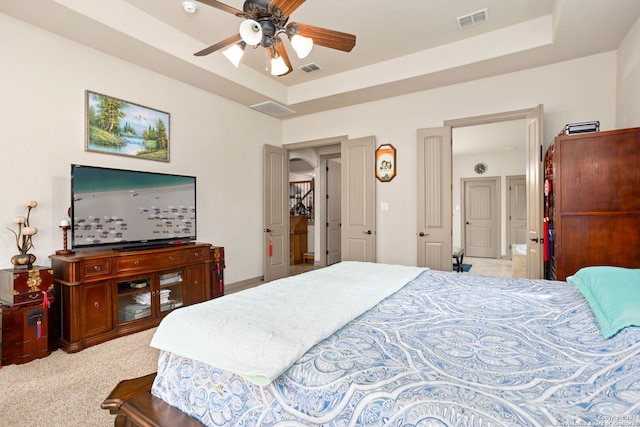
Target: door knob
[(535, 240), (268, 230), (367, 232), (421, 234), (468, 223)]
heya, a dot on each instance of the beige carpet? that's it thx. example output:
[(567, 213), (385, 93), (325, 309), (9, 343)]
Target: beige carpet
[(66, 390)]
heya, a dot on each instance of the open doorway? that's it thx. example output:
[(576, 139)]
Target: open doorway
[(490, 154), (357, 207), (435, 226), (325, 233), (302, 207)]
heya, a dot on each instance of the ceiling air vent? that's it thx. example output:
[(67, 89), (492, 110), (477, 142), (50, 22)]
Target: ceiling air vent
[(273, 109), (474, 18), (310, 68)]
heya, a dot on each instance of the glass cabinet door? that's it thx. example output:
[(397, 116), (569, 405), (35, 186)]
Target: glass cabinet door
[(170, 290), (134, 299)]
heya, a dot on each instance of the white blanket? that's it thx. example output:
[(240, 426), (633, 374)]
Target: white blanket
[(260, 332)]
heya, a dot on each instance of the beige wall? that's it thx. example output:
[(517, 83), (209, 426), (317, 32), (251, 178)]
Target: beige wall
[(42, 108), (573, 91), (628, 95)]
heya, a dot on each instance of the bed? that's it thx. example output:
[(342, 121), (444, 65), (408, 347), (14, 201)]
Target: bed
[(439, 349)]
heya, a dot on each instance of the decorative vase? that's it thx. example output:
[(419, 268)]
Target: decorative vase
[(23, 261)]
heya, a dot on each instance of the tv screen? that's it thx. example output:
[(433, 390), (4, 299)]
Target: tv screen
[(125, 209)]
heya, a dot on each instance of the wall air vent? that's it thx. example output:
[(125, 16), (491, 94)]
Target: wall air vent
[(472, 19), (273, 109), (310, 68)]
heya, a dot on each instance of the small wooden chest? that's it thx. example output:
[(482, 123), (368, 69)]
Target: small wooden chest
[(25, 334), (25, 287)]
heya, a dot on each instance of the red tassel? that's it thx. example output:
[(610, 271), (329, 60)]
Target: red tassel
[(270, 246), (45, 300), (546, 240), (38, 329), (219, 279)]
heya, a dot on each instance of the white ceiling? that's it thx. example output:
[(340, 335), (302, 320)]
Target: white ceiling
[(402, 45)]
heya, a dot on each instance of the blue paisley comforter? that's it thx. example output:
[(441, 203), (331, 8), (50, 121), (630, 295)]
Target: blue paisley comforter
[(448, 349)]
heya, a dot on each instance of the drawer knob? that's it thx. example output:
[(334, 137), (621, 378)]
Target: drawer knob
[(96, 304), (196, 254), (195, 282), (170, 258), (96, 267), (136, 262)]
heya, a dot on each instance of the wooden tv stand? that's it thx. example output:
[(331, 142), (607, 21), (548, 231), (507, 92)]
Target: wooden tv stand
[(108, 294)]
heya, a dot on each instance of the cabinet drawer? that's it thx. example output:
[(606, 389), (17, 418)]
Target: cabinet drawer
[(94, 268), (144, 262), (31, 298), (20, 287), (196, 254)]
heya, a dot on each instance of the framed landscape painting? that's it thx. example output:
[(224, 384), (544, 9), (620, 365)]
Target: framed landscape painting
[(114, 126)]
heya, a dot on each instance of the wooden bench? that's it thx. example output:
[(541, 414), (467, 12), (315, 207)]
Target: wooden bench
[(134, 406), (308, 256), (458, 255)]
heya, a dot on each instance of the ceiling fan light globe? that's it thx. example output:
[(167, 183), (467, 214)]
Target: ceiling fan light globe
[(234, 54), (251, 32), (189, 7), (278, 66), (302, 45)]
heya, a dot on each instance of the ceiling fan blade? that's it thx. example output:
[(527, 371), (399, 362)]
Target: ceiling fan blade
[(323, 37), (223, 7), (282, 51), (286, 6), (220, 45)]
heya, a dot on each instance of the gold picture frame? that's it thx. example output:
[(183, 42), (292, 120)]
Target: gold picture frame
[(115, 126)]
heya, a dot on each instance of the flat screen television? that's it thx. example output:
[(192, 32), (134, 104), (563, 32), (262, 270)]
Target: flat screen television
[(130, 210)]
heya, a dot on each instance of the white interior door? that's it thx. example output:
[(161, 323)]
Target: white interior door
[(358, 200), (517, 219), (333, 208), (276, 213), (481, 218), (434, 198), (534, 193)]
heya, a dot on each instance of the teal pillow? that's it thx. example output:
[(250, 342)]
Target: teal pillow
[(613, 294)]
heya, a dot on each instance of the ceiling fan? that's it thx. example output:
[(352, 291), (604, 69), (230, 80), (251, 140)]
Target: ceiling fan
[(265, 21)]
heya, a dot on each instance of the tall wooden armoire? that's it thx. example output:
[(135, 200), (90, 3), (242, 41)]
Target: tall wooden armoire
[(592, 203)]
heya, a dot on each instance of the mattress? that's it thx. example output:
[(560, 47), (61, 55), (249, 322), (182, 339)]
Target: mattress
[(446, 349)]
